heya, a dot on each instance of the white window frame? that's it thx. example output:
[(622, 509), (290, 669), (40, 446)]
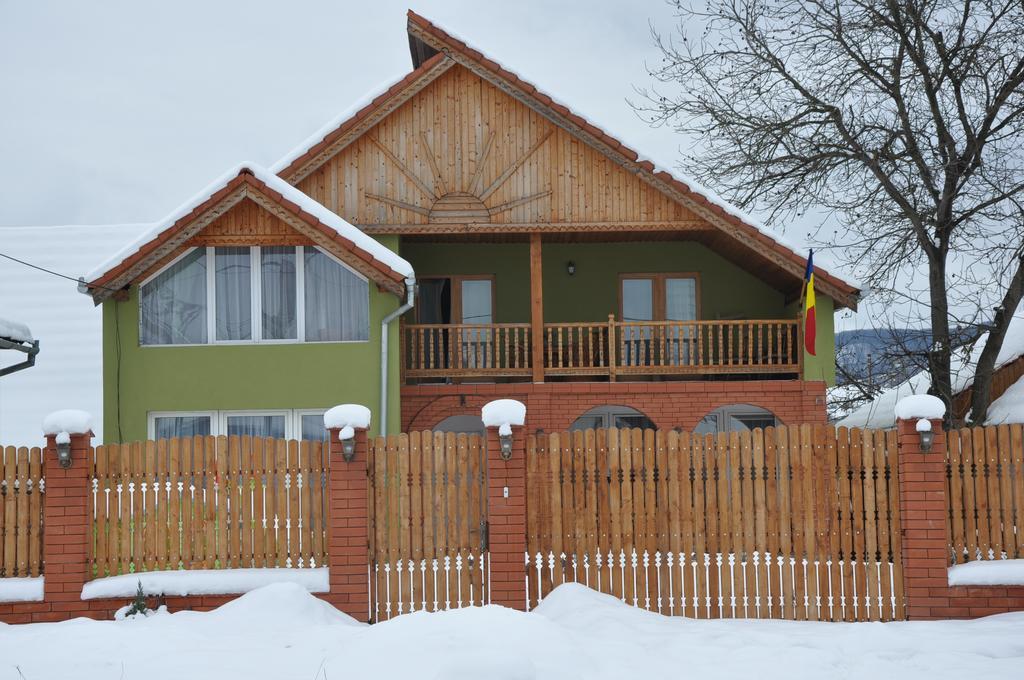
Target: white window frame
[(256, 300), (298, 413), (219, 419), (153, 415)]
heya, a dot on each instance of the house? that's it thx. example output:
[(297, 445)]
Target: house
[(461, 236), (1007, 386)]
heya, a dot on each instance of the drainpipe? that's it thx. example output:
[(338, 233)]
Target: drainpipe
[(410, 292)]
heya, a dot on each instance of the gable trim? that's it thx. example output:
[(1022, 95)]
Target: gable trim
[(242, 186)]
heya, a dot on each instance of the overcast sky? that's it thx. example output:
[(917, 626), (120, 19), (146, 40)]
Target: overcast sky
[(116, 112)]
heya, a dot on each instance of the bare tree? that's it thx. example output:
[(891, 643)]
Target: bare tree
[(902, 120)]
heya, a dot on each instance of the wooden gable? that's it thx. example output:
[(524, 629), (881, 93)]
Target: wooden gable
[(249, 224), (463, 151)]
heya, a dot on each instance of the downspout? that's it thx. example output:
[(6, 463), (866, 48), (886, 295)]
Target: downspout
[(410, 293)]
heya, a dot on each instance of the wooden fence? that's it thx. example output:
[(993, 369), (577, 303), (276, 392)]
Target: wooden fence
[(795, 523), (21, 512), (208, 503), (985, 467), (427, 531)]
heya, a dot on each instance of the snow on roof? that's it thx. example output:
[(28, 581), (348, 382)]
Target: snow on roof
[(68, 370), (1009, 407), (325, 216), (15, 330), (657, 158), (879, 413)]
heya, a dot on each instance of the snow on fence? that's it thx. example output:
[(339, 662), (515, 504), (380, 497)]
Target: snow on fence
[(427, 529), (21, 512), (796, 523), (208, 503), (985, 471)]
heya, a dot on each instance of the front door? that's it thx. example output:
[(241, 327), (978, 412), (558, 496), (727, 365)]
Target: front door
[(657, 298), (467, 301)]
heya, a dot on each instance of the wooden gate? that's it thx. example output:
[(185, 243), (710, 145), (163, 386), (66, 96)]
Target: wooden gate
[(791, 522), (428, 534)]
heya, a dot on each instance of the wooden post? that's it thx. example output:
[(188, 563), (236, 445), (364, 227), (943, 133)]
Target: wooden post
[(611, 348), (506, 519), (537, 307), (67, 528), (924, 533), (348, 535)]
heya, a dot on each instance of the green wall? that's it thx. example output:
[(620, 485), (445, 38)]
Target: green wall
[(137, 380), (726, 290)]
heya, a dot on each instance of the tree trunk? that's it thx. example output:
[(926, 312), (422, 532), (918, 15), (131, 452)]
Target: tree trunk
[(939, 353)]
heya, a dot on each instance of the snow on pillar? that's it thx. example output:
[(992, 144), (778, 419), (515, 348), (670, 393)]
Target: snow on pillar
[(923, 505), (506, 501), (67, 526), (348, 536)]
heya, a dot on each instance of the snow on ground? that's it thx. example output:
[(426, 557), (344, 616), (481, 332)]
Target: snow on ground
[(283, 632), (67, 372), (204, 582), (988, 573)]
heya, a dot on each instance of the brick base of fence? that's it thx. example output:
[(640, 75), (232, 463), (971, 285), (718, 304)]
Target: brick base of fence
[(925, 540)]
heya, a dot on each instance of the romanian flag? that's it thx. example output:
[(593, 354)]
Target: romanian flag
[(810, 322)]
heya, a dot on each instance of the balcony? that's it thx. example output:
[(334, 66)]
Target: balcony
[(605, 350)]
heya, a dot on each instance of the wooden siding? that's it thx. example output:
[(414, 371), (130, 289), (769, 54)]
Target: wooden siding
[(247, 223), (463, 135)]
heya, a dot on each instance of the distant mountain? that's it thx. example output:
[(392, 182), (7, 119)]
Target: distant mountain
[(888, 356)]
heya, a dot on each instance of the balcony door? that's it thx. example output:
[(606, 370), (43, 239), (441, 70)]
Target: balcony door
[(655, 298), (463, 300)]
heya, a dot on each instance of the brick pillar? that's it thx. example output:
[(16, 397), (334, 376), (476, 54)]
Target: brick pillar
[(506, 518), (923, 510), (66, 527), (348, 535)]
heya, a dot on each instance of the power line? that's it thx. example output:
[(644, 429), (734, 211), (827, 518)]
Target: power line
[(50, 271)]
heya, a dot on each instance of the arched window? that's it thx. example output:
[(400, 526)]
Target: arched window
[(612, 416), (736, 418), (458, 424)]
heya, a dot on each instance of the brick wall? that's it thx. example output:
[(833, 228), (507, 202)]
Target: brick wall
[(554, 406), (925, 538)]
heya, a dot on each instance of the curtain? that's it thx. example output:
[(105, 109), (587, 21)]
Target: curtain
[(313, 428), (233, 288), (256, 426), (277, 270), (172, 306), (170, 427), (337, 301)]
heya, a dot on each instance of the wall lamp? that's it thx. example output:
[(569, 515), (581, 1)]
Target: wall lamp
[(570, 267), (505, 444), (64, 449), (348, 443), (924, 431)]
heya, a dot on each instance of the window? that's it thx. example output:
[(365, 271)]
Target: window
[(612, 416), (657, 297), (282, 424), (253, 294), (459, 424), (181, 425), (172, 305), (736, 418), (337, 305)]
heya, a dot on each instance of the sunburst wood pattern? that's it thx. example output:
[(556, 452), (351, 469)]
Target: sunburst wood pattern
[(461, 147)]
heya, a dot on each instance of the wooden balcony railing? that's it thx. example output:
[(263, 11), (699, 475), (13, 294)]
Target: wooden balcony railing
[(609, 348)]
